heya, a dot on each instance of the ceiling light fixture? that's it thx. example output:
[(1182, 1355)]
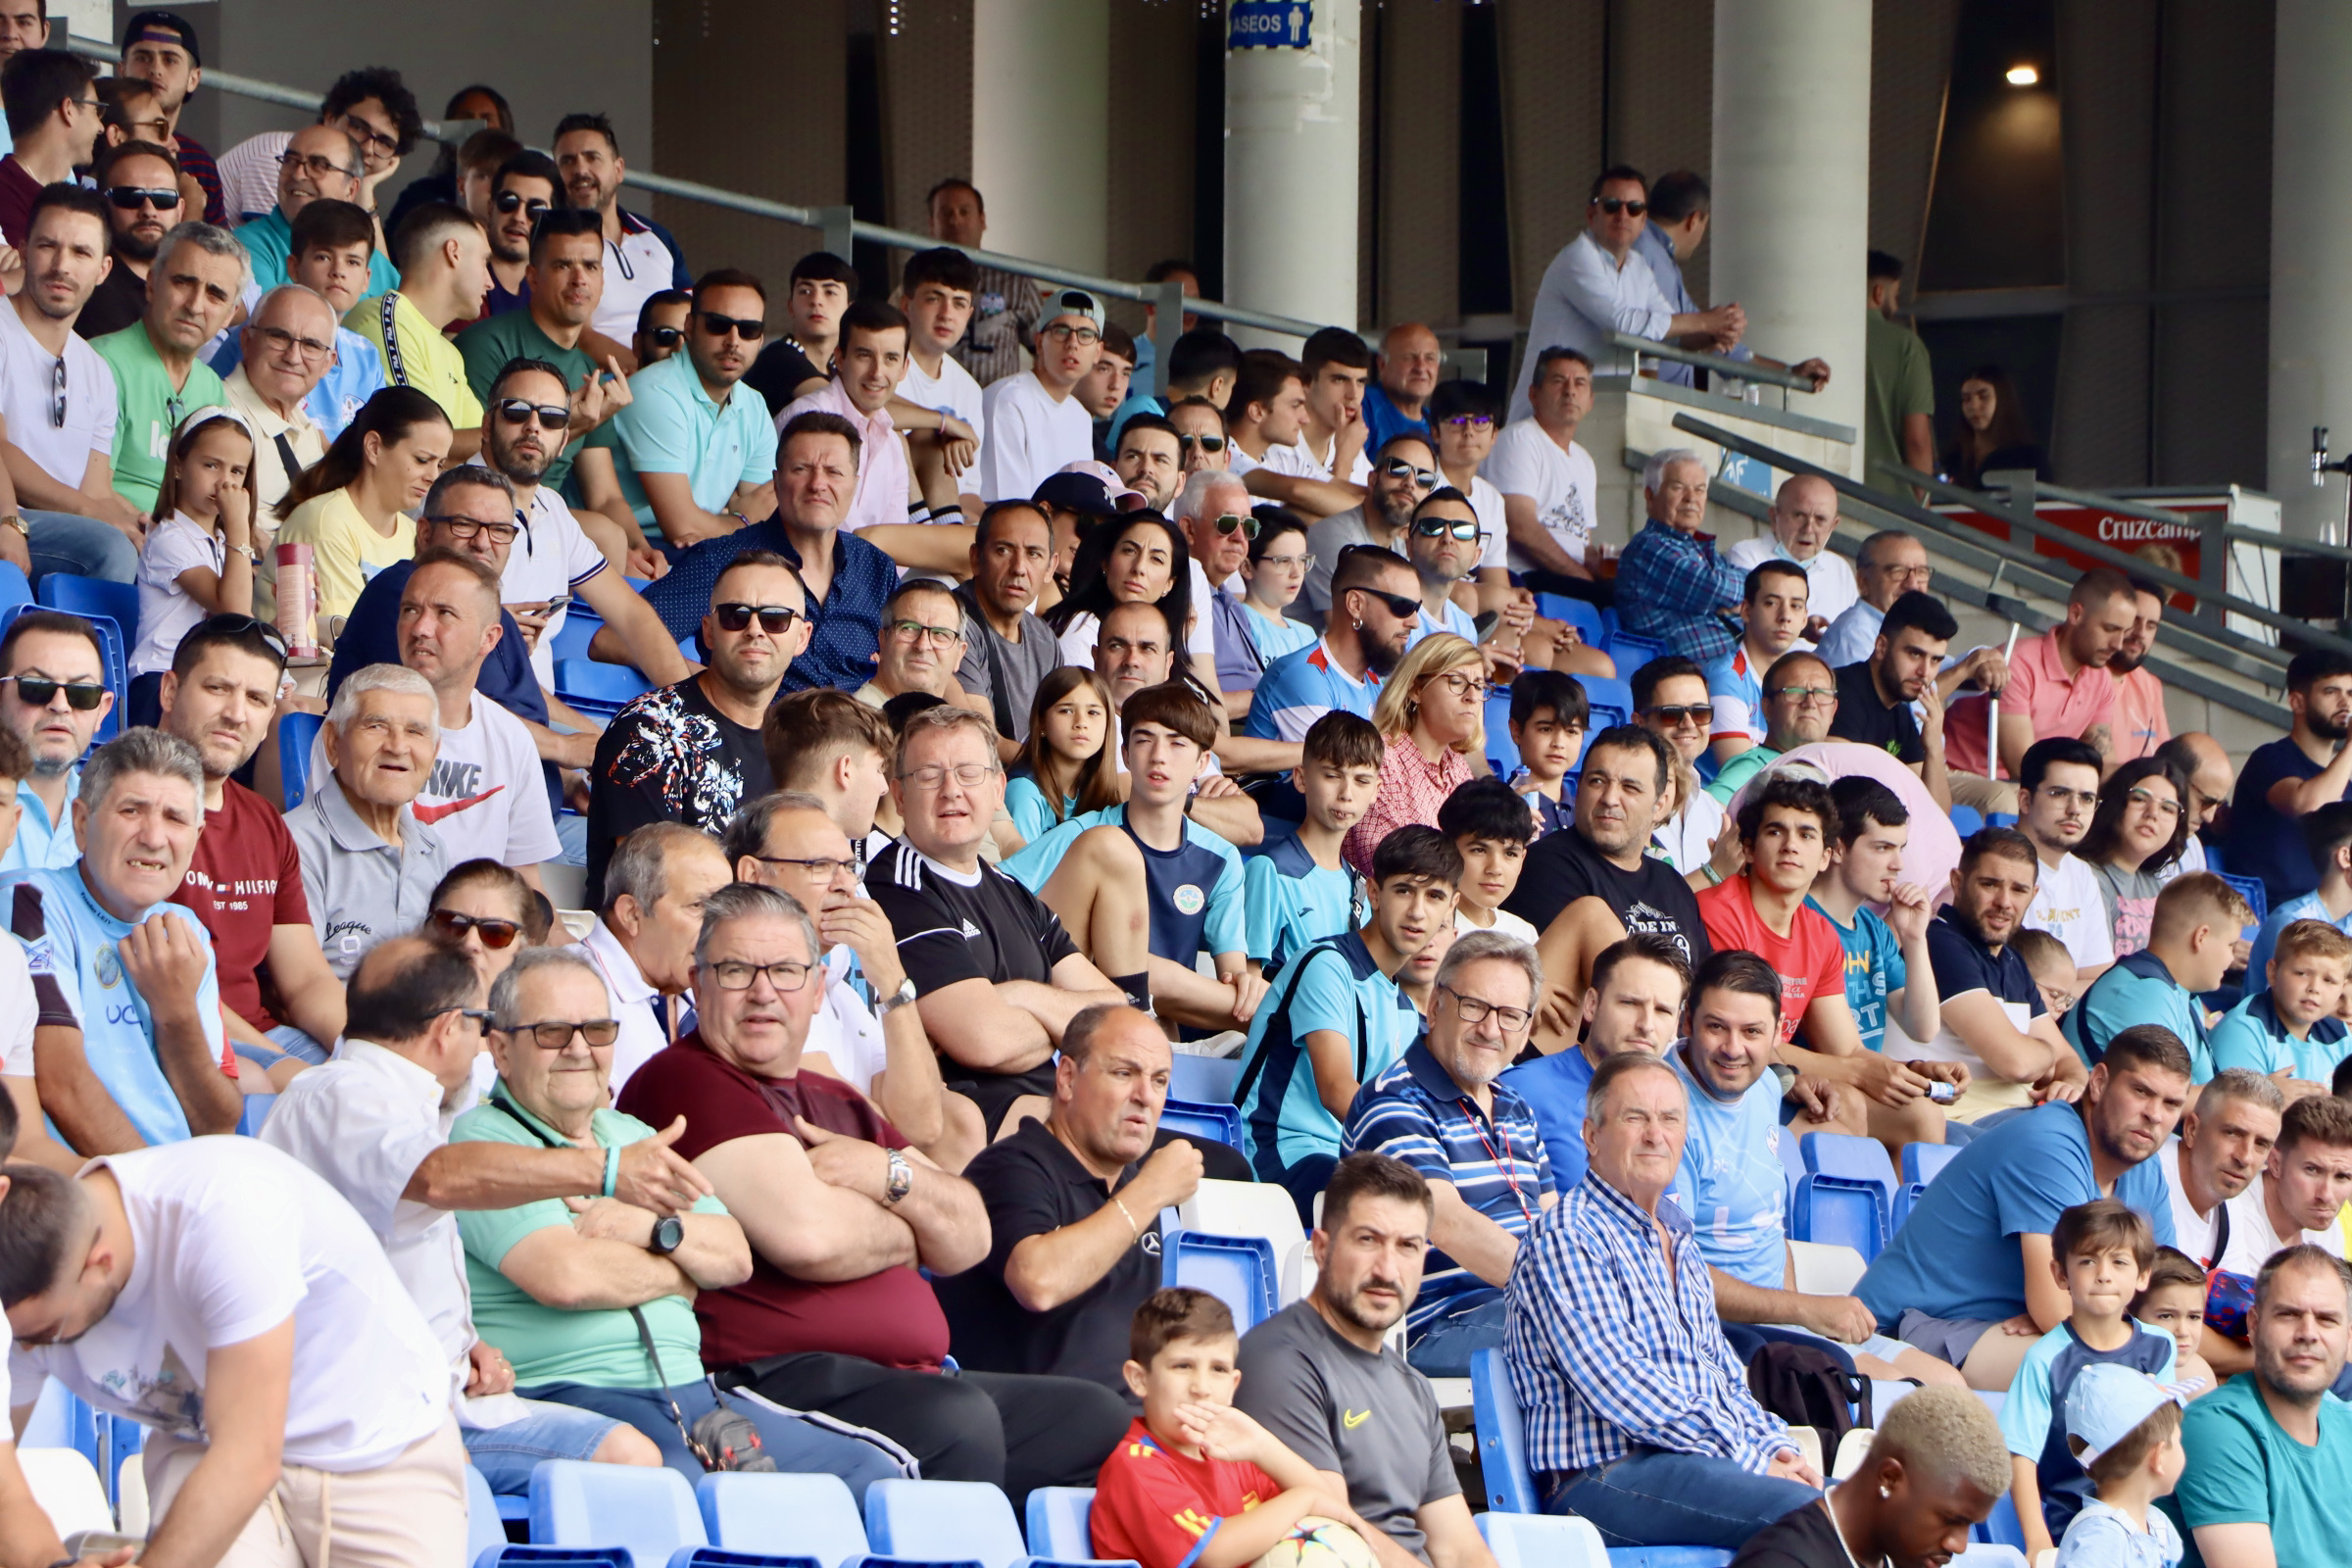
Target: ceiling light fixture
[(2023, 76)]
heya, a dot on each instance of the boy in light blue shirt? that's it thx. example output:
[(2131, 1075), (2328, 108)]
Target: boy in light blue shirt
[(2198, 918), (1297, 891), (2125, 1429), (2289, 1029)]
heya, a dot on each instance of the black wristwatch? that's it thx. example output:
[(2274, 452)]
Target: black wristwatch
[(669, 1234)]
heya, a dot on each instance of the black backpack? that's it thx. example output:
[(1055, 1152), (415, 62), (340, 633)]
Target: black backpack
[(1805, 1386)]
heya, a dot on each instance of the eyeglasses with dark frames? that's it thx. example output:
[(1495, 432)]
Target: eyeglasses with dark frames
[(1403, 607), (1475, 1010), (908, 631), (734, 975), (466, 527), (1207, 443), (310, 348), (555, 1034), (518, 410), (318, 163)]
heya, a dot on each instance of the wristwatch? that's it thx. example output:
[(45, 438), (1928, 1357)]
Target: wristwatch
[(884, 1006), (669, 1234), (902, 1177), (17, 522)]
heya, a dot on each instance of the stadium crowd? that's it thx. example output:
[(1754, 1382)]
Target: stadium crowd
[(1002, 735)]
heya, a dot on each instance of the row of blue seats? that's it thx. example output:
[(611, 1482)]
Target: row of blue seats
[(1844, 1190)]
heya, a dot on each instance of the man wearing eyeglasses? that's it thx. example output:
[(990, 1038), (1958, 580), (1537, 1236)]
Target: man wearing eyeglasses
[(286, 348), (691, 752), (1889, 564), (697, 451), (444, 260), (1804, 516), (2057, 791), (54, 117), (1035, 423), (1441, 1111), (524, 188), (320, 164), (1772, 613), (922, 643), (1405, 470), (371, 106), (1799, 702)]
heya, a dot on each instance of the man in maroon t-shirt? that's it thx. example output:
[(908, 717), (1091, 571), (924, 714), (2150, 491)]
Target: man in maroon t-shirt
[(245, 882), (840, 1210)]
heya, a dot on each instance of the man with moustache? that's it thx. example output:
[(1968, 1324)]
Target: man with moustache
[(524, 187), (140, 181)]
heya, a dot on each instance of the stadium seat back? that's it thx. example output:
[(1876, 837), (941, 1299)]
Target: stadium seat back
[(1502, 1436), (1238, 1270), (1924, 1162), (1840, 1212), (1849, 1158), (14, 589), (809, 1516), (2252, 890), (1608, 716), (1205, 1080), (1502, 752), (1061, 1522), (93, 597), (943, 1521), (255, 1114), (2001, 1528), (1255, 1208), (484, 1530), (1668, 1557), (65, 1485), (1541, 1540), (649, 1509), (1606, 692), (1220, 1124), (295, 733), (1966, 820), (1582, 614), (579, 628), (585, 681)]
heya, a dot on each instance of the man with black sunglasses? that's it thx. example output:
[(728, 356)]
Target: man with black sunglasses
[(562, 289), (660, 326), (697, 451), (54, 117), (522, 190), (140, 181), (1213, 510), (1375, 609), (56, 698), (1405, 470)]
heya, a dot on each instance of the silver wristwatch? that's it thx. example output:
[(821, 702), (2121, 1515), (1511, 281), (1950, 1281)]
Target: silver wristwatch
[(884, 1006)]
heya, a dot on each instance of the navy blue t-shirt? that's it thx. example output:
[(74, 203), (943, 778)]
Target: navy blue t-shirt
[(2263, 840), (372, 636), (1962, 965)]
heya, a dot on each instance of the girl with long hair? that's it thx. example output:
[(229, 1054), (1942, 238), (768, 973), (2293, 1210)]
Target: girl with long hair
[(355, 506)]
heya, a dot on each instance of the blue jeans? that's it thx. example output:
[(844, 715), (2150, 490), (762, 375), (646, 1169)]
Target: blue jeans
[(505, 1455), (291, 1042), (1649, 1497), (795, 1442), (1444, 1348), (82, 546)]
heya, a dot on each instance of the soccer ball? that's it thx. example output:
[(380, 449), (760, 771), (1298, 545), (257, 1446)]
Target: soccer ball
[(1319, 1543)]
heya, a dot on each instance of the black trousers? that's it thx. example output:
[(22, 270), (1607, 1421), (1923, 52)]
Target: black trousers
[(1593, 590), (1015, 1431)]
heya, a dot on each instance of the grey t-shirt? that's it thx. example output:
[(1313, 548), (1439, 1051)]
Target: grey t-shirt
[(1327, 539), (1023, 665), (1371, 1418)]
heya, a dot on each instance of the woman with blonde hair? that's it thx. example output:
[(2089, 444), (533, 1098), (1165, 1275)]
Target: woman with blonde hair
[(1432, 716)]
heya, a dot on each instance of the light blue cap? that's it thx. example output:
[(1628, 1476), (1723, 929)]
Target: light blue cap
[(2108, 1401)]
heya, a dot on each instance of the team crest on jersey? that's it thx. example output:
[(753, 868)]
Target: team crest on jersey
[(1189, 900), (107, 966)]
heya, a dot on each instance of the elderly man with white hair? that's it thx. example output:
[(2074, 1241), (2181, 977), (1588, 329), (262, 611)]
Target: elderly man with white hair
[(368, 862), (1805, 514), (286, 349), (1213, 510), (1671, 583)]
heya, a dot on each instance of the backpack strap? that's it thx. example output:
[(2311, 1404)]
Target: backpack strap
[(1295, 972)]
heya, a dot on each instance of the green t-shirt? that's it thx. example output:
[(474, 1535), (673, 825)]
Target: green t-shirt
[(1897, 382), (514, 335), (548, 1345), (1740, 770), (2244, 1469), (148, 408)]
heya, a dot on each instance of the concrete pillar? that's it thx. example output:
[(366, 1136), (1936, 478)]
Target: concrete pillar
[(1040, 124), (1290, 140), (2311, 231), (1792, 183)]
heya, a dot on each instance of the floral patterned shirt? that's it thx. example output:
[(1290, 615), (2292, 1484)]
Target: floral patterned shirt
[(668, 756)]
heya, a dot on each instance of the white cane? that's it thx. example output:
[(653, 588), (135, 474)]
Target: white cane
[(1993, 713)]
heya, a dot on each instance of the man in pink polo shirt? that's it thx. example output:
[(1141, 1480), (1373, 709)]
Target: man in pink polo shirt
[(2139, 723), (869, 363), (2058, 682)]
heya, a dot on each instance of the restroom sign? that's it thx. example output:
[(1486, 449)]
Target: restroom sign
[(1268, 24)]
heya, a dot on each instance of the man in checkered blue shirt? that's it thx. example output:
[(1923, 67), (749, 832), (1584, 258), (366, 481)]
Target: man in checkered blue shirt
[(1671, 583)]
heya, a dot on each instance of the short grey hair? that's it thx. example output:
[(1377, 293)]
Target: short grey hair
[(210, 238), (506, 1009), (640, 863), (261, 306), (1886, 539), (1193, 500), (140, 750), (1947, 1433), (1653, 472), (1479, 947), (748, 829), (379, 678), (2239, 1083), (1622, 1066), (465, 475), (744, 900)]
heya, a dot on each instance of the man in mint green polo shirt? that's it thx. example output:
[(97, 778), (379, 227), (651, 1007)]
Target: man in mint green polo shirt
[(2270, 1452), (639, 1358), (565, 282), (698, 452), (192, 290), (320, 164)]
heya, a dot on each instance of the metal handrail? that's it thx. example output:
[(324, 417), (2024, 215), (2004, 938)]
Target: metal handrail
[(1722, 364), (2235, 532), (1991, 507)]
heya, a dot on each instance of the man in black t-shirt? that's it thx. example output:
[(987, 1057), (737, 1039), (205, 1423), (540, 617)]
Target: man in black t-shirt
[(1875, 697), (997, 978), (691, 753), (1595, 884)]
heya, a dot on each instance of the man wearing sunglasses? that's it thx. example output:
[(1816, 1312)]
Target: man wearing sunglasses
[(660, 326), (56, 699), (1214, 514), (1443, 542), (444, 261), (1405, 470), (1376, 606), (691, 752), (523, 189), (285, 351), (54, 117), (140, 181), (1671, 702), (697, 451), (320, 164), (1035, 423), (160, 49)]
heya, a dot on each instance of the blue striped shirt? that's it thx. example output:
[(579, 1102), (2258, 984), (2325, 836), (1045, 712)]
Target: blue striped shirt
[(1417, 1112), (1608, 1349)]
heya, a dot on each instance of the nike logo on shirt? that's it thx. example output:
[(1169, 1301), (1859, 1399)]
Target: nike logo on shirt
[(433, 814)]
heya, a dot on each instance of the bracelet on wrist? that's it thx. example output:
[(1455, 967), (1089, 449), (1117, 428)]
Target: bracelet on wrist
[(611, 1170)]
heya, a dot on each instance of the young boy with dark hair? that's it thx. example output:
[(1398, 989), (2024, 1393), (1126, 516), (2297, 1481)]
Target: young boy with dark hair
[(2101, 1252), (2174, 1301), (1297, 891), (1887, 974), (2125, 1431), (1196, 1483), (1492, 829), (1549, 714)]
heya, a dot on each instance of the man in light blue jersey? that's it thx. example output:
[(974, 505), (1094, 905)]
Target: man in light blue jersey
[(55, 673), (1375, 607)]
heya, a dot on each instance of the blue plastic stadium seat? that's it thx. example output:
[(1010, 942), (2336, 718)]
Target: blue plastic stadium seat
[(254, 1112), (1061, 1522), (1607, 716), (1501, 754), (584, 679), (948, 1522), (1922, 1162), (1583, 615), (1841, 1214), (1541, 1540), (1849, 1158), (14, 589), (1200, 1119), (484, 1532), (1502, 1438), (2003, 1528), (516, 1557), (2255, 894), (1238, 1270), (808, 1519), (1966, 820), (2212, 857), (579, 628), (1205, 1080), (1631, 651), (295, 733), (1603, 691), (1668, 1557), (649, 1510), (117, 601)]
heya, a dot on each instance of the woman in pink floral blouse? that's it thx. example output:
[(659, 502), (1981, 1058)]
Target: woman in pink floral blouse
[(1432, 714)]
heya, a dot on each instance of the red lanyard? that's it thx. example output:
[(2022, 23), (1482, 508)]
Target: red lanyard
[(1507, 1162)]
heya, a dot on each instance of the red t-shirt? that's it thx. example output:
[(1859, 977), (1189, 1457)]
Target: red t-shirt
[(1156, 1506), (1811, 960), (244, 879), (888, 1316)]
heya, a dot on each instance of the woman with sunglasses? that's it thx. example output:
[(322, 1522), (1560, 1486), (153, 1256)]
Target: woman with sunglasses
[(1140, 558), (2134, 842), (356, 509), (1432, 719), (489, 913), (1275, 572)]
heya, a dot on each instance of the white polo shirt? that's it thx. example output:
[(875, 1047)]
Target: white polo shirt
[(634, 1002), (551, 556)]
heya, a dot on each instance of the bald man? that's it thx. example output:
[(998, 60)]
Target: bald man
[(1803, 516), (1404, 376)]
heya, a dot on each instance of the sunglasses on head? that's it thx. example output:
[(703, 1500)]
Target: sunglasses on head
[(1466, 529), (231, 625), (39, 691), (494, 933), (774, 619), (1613, 205), (509, 200), (131, 198), (749, 328), (1229, 522), (518, 410)]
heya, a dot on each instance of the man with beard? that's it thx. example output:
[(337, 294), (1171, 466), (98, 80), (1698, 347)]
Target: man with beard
[(697, 451), (646, 257), (1310, 1372), (2058, 682), (2269, 1456), (1994, 1023), (1968, 1277), (140, 181), (1404, 469), (524, 188), (2139, 723), (2057, 788), (1150, 460), (244, 882), (1874, 696), (1376, 606), (2294, 775)]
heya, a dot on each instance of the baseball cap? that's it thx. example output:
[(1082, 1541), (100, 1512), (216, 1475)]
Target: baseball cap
[(161, 26), (1070, 302), (1125, 499), (2108, 1401), (1083, 493)]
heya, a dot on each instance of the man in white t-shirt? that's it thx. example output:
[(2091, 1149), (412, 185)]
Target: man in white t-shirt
[(1268, 410), (1330, 456), (2298, 1202), (2225, 1140), (224, 1297), (642, 940), (1805, 514), (936, 290), (1035, 426), (2057, 789), (789, 841), (1550, 489), (485, 796)]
